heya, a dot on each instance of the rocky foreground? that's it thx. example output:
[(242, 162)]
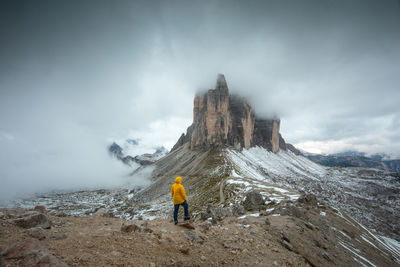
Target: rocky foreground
[(296, 233)]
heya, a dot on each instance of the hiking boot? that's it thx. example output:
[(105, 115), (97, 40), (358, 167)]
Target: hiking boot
[(176, 222), (187, 218)]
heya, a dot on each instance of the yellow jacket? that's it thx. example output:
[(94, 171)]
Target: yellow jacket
[(178, 192)]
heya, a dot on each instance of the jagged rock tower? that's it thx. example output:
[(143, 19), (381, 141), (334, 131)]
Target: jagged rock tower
[(220, 120)]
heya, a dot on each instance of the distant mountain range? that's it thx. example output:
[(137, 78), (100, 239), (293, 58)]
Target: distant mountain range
[(131, 154), (356, 159)]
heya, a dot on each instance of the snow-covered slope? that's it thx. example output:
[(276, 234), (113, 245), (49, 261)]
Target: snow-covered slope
[(260, 163), (369, 195)]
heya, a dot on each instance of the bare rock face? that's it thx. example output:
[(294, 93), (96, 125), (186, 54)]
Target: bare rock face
[(221, 119)]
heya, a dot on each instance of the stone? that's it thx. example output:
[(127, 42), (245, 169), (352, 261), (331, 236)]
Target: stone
[(37, 233), (115, 253), (61, 214), (135, 226), (308, 199), (58, 236), (31, 252), (326, 256), (184, 250), (193, 237), (285, 236), (349, 233), (216, 213), (130, 226), (287, 245), (238, 210), (102, 213), (253, 201), (41, 209), (204, 216), (221, 119), (267, 222), (33, 219), (187, 225), (309, 225)]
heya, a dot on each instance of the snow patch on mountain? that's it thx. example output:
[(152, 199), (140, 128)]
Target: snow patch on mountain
[(257, 162), (369, 195)]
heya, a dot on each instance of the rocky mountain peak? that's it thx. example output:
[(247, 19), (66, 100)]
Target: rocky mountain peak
[(221, 84), (224, 120)]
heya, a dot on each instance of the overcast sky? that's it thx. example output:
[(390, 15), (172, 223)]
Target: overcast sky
[(75, 75)]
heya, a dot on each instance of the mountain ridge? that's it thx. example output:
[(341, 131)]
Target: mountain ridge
[(358, 159)]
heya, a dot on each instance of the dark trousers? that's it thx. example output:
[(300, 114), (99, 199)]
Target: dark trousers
[(176, 209)]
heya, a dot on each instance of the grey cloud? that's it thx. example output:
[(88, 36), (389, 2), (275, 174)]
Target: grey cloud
[(79, 73)]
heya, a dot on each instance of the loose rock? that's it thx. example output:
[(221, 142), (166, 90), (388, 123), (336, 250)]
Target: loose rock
[(33, 219), (238, 210), (287, 245), (134, 226), (285, 236), (309, 225), (41, 209), (184, 250), (308, 199), (253, 201), (31, 253), (102, 212), (37, 232)]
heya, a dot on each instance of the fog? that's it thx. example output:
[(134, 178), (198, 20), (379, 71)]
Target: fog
[(76, 75)]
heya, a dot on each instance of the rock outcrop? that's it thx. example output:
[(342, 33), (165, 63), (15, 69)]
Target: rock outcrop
[(221, 119)]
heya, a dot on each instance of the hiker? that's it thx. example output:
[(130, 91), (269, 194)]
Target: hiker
[(179, 198)]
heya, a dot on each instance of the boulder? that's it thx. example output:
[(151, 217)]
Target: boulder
[(58, 236), (102, 213), (204, 215), (238, 210), (218, 213), (215, 213), (33, 219), (31, 252), (41, 209), (135, 226), (253, 201), (308, 199), (37, 233)]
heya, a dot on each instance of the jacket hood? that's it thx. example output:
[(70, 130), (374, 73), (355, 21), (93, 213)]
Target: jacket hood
[(178, 180)]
